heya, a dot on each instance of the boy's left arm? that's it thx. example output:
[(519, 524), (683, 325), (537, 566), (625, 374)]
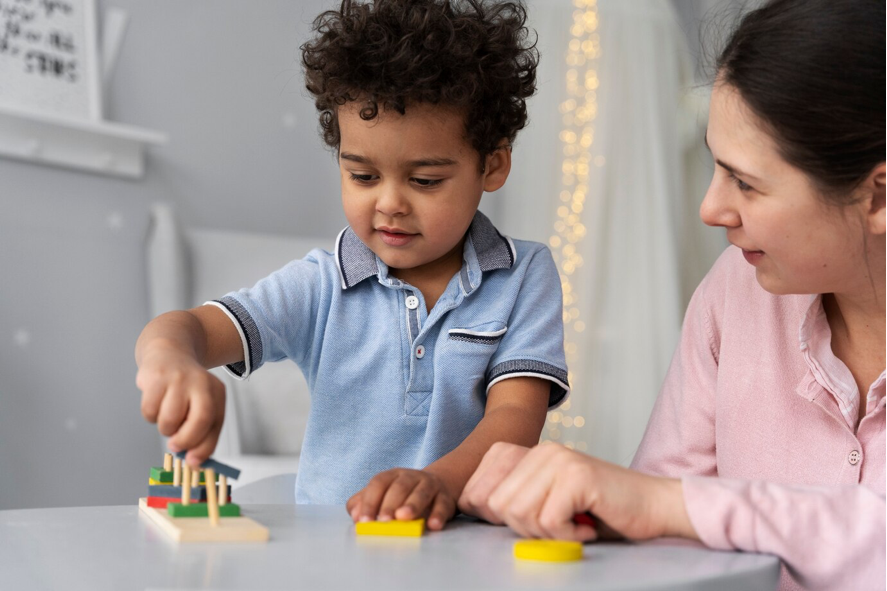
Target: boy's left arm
[(514, 413)]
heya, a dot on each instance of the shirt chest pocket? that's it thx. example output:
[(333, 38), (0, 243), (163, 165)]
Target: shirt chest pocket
[(470, 349), (483, 335)]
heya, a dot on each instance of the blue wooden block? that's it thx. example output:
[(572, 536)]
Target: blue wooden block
[(198, 493), (219, 467)]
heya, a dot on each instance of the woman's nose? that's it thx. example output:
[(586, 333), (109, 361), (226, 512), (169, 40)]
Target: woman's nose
[(717, 208)]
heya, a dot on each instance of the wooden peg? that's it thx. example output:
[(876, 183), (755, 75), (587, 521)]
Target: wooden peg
[(186, 484), (195, 477), (167, 462), (177, 472), (211, 500), (223, 489)]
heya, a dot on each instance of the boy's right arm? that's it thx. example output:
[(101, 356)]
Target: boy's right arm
[(187, 402)]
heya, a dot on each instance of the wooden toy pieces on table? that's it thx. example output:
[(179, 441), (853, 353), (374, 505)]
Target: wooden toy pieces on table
[(194, 505), (409, 529)]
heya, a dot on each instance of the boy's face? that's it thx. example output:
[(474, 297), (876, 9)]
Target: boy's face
[(411, 183)]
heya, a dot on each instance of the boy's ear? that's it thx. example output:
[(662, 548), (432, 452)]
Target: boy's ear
[(497, 165), (876, 216)]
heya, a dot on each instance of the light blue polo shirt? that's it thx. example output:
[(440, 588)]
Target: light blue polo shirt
[(391, 384)]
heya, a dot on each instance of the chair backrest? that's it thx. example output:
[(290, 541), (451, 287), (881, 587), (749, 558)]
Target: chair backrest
[(267, 413)]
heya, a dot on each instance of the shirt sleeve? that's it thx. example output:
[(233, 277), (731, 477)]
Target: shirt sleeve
[(276, 318), (828, 537), (533, 345), (680, 436)]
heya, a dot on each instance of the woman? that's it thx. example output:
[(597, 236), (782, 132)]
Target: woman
[(768, 434)]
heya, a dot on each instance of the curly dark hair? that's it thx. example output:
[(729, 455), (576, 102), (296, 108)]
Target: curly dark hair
[(474, 55)]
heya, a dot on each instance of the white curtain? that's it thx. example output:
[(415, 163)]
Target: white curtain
[(642, 242)]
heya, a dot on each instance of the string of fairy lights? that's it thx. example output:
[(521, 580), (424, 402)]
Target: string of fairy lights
[(578, 113)]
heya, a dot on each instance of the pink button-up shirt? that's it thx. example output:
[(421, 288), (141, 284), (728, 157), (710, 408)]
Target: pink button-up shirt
[(757, 416)]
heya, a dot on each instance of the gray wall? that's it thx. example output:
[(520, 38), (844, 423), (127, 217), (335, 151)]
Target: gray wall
[(222, 78)]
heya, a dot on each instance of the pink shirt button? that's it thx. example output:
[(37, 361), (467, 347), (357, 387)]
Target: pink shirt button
[(854, 457)]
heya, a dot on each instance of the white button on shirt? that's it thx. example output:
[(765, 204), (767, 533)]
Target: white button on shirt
[(412, 302), (420, 352), (854, 457)]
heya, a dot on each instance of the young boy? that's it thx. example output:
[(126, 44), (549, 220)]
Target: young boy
[(426, 336)]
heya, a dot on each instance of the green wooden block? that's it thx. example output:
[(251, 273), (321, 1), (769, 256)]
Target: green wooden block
[(165, 476), (201, 510), (161, 475)]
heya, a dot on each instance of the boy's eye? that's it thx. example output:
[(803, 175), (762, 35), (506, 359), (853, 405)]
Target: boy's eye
[(427, 182), (361, 178)]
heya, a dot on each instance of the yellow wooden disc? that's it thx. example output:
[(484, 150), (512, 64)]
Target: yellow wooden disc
[(548, 550), (413, 528)]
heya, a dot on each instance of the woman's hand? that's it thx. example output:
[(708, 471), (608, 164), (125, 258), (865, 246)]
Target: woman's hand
[(495, 466), (537, 492)]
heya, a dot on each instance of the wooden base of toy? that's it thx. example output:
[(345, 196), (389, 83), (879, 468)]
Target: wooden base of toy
[(189, 529)]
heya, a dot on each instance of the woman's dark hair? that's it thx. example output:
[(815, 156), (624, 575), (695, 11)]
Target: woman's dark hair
[(473, 55), (813, 71)]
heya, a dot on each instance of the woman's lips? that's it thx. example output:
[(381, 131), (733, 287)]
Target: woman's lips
[(396, 238), (753, 256)]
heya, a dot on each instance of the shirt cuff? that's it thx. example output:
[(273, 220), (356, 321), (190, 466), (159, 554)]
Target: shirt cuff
[(721, 512), (560, 388), (249, 337)]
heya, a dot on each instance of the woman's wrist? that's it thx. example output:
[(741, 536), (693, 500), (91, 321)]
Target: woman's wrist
[(673, 510)]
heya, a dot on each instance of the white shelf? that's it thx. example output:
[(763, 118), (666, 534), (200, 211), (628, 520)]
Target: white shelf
[(97, 146)]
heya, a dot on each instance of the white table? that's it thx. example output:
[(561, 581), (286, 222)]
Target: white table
[(314, 547)]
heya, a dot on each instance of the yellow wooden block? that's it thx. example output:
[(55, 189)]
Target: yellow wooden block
[(411, 529), (548, 550), (190, 529)]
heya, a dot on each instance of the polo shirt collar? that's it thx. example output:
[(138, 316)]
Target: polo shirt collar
[(488, 251)]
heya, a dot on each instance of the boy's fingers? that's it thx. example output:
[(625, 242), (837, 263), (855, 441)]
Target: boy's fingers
[(353, 506), (203, 450), (152, 397), (350, 503), (173, 409), (204, 418), (442, 510), (398, 491), (373, 494), (419, 499), (197, 425)]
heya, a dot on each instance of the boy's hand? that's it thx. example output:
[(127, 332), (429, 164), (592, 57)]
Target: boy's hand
[(184, 399), (404, 494)]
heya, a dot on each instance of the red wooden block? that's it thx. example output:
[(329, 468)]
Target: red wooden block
[(162, 502)]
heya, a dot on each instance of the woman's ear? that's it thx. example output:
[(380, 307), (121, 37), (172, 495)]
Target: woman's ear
[(876, 210), (497, 165)]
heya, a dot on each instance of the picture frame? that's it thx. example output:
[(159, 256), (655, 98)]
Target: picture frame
[(49, 58)]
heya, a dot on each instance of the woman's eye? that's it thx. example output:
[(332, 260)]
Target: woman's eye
[(427, 182), (739, 183)]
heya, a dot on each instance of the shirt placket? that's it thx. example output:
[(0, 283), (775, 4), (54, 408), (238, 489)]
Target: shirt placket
[(421, 372), (421, 363)]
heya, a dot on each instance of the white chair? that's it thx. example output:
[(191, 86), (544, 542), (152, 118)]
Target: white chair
[(266, 414)]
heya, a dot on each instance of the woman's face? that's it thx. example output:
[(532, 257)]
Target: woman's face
[(772, 211)]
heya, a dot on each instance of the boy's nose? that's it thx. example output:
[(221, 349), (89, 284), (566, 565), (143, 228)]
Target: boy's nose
[(391, 202), (717, 208)]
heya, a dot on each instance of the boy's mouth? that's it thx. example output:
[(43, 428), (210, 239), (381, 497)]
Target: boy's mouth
[(395, 236)]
